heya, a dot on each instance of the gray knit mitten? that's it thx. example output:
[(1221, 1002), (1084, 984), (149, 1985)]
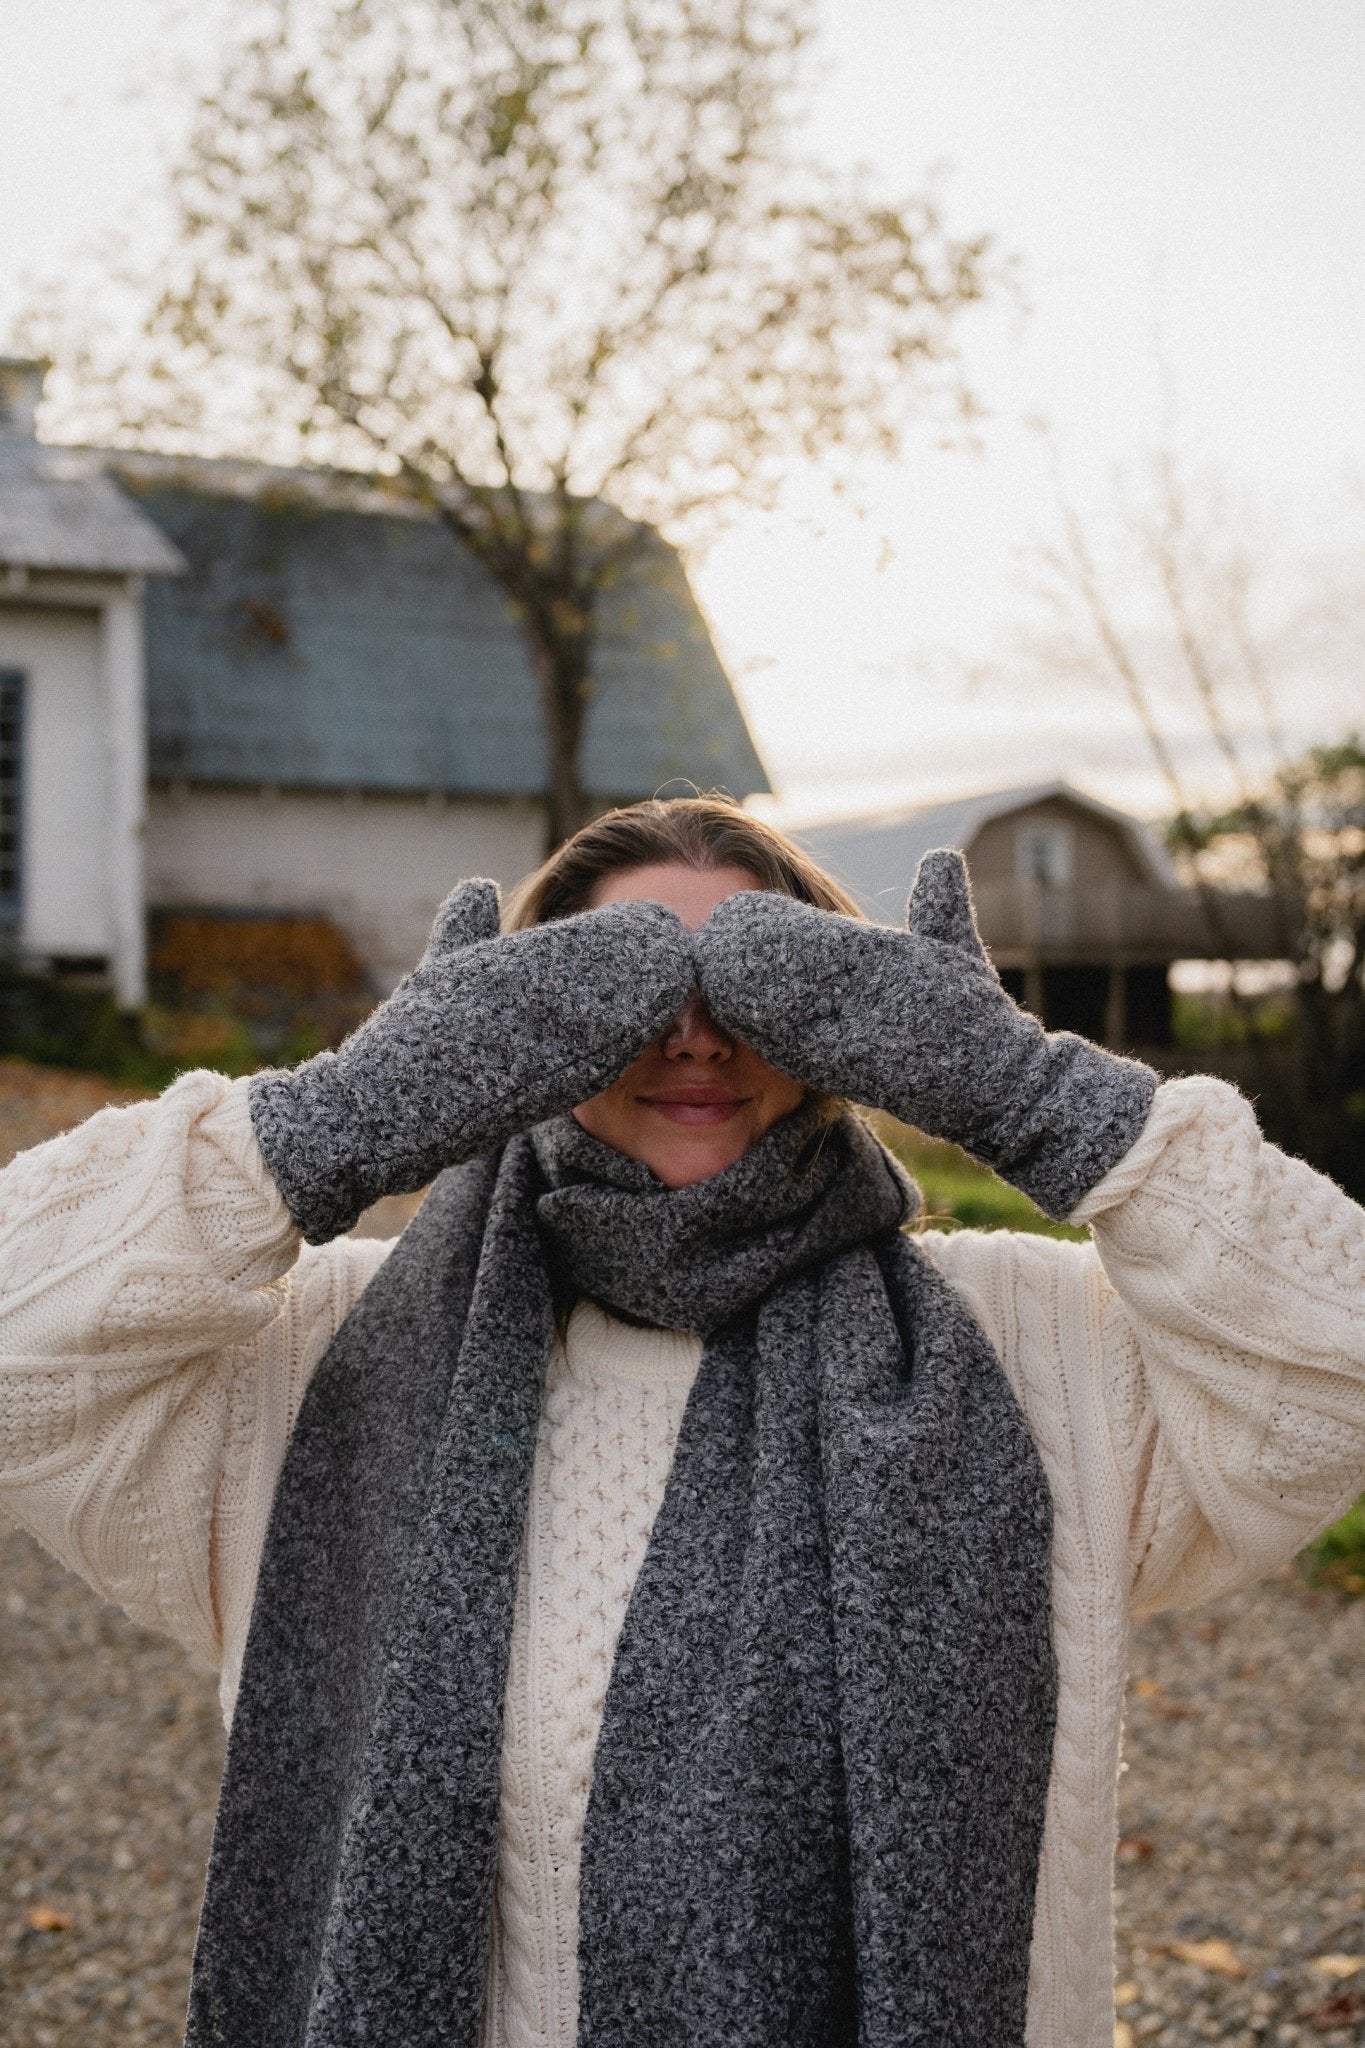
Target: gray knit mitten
[(917, 1023), (491, 1032)]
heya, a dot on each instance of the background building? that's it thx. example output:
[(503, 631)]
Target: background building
[(1078, 903), (235, 688)]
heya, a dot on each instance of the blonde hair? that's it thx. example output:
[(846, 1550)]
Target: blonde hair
[(700, 832)]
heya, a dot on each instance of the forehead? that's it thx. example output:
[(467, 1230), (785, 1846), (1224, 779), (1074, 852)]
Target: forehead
[(692, 893)]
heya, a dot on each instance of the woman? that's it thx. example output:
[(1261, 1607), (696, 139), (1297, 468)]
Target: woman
[(663, 1601)]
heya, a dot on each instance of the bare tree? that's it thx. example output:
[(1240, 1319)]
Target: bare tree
[(560, 266), (1292, 825)]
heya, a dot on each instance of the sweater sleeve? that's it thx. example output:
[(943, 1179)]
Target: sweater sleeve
[(1204, 1356), (158, 1327)]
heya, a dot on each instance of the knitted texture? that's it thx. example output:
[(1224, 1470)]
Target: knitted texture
[(491, 1032), (614, 1398), (1195, 1382), (681, 1257), (917, 1023), (768, 1856)]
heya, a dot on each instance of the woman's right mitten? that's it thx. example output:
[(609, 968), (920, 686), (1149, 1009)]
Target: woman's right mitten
[(491, 1032)]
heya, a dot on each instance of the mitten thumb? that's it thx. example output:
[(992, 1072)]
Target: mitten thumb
[(940, 905), (470, 912)]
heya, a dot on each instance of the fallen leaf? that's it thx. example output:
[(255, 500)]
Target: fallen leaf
[(1219, 1956), (1151, 1689), (47, 1920), (157, 1873), (1342, 2011), (1124, 2037), (1132, 1849), (1206, 1631), (1339, 1966), (1249, 1672), (1126, 1993)]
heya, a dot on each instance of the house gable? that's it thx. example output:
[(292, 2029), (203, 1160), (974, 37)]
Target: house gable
[(875, 855), (1096, 850)]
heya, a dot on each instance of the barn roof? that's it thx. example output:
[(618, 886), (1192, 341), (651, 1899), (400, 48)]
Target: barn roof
[(875, 854), (59, 511), (331, 634)]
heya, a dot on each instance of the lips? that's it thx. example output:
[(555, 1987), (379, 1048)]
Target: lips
[(695, 1105)]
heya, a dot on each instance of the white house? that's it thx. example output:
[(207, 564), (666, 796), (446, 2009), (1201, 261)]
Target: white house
[(74, 555), (230, 687)]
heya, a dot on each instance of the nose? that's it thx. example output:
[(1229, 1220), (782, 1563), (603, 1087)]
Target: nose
[(695, 1035)]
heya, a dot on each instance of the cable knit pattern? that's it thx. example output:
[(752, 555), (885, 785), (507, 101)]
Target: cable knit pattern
[(614, 1399), (1195, 1381), (157, 1330)]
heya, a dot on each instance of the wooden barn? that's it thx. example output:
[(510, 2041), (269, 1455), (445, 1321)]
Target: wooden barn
[(1079, 904)]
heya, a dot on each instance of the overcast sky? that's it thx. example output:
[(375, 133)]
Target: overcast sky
[(1182, 183)]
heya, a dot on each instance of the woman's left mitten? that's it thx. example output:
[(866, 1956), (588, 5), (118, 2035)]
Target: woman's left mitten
[(916, 1022), (492, 1032)]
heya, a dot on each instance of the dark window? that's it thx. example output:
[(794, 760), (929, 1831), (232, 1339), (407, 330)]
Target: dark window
[(11, 793)]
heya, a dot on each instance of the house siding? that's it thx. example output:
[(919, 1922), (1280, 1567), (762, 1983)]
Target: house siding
[(67, 909), (378, 865), (1099, 852)]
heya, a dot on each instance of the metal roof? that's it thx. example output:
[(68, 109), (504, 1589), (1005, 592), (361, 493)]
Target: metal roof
[(58, 510), (332, 635), (875, 855)]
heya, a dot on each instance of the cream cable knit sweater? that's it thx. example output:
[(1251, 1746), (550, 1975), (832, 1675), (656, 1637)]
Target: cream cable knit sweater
[(1195, 1379)]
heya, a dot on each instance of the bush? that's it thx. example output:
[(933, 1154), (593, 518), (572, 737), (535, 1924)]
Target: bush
[(56, 1025), (229, 992), (1337, 1558), (291, 984)]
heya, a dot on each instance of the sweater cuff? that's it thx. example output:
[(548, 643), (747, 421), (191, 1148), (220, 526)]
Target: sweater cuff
[(231, 1196), (1175, 1106)]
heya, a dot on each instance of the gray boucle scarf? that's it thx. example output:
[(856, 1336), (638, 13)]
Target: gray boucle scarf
[(818, 1792)]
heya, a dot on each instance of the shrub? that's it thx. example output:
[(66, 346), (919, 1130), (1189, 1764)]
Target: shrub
[(1337, 1558)]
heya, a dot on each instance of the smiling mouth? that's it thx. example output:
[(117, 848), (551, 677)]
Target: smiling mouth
[(695, 1105)]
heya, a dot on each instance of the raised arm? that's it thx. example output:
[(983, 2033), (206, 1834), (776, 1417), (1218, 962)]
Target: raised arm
[(1196, 1376), (157, 1331), (158, 1322), (1234, 1375)]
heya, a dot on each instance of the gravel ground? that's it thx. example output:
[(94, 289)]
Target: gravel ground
[(37, 1102), (1243, 1819), (110, 1749), (1241, 1876)]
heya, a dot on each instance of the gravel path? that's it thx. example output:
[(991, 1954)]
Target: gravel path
[(1241, 1879), (110, 1748), (1243, 1816)]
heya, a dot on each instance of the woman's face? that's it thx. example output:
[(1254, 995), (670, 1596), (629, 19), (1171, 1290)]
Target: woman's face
[(696, 1100)]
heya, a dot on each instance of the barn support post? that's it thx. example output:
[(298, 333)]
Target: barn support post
[(1035, 996), (1116, 1006), (124, 667), (1032, 932)]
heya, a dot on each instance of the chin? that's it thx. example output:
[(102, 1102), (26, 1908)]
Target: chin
[(683, 1166)]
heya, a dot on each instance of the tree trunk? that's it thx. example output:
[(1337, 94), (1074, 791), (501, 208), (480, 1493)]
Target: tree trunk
[(562, 664), (556, 610)]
